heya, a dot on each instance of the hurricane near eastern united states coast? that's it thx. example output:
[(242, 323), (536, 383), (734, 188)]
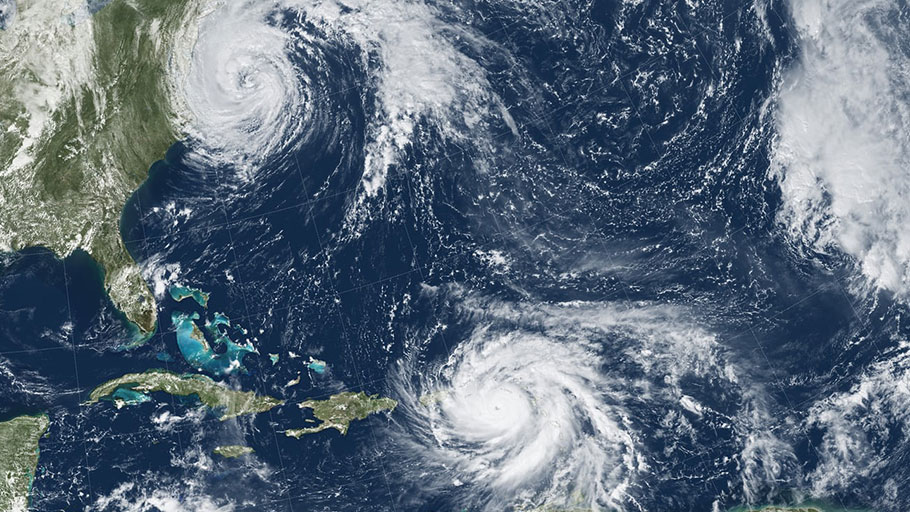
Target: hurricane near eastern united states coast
[(258, 80), (245, 97)]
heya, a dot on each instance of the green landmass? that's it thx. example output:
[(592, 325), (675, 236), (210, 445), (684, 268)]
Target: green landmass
[(774, 508), (810, 506), (123, 397), (84, 112), (340, 410), (429, 399), (179, 293), (19, 459), (232, 451), (213, 394)]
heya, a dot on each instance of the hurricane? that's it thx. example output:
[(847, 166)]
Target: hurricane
[(512, 410), (524, 415), (245, 97), (455, 255), (256, 79)]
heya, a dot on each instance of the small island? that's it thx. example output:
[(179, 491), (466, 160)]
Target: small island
[(19, 459), (317, 365), (179, 293), (201, 354), (340, 410), (213, 394), (432, 398), (232, 451)]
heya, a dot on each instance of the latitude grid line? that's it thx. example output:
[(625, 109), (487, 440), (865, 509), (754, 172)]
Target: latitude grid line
[(502, 133), (850, 303), (659, 155), (741, 125), (366, 285), (565, 162)]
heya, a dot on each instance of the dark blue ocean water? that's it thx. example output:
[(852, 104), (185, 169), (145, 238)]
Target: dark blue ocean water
[(640, 144)]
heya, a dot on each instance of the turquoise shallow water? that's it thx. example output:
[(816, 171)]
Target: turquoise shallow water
[(180, 293), (201, 354), (317, 365), (633, 181), (129, 396)]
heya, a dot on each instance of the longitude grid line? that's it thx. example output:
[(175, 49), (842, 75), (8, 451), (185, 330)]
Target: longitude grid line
[(447, 156), (247, 309), (562, 153), (496, 136), (863, 323), (373, 283), (155, 305), (331, 280), (442, 336), (72, 327)]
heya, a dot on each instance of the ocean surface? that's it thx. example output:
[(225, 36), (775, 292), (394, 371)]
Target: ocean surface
[(605, 255)]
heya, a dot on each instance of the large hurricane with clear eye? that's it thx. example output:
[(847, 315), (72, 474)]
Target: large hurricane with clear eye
[(257, 78), (526, 415), (245, 95), (553, 406)]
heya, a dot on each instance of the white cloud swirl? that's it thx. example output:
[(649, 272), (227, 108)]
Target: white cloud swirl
[(518, 408), (244, 96), (539, 405)]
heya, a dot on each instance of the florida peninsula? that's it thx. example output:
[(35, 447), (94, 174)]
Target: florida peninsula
[(85, 110)]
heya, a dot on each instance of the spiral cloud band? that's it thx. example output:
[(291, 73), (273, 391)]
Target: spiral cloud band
[(524, 413), (518, 408), (248, 93), (243, 95)]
